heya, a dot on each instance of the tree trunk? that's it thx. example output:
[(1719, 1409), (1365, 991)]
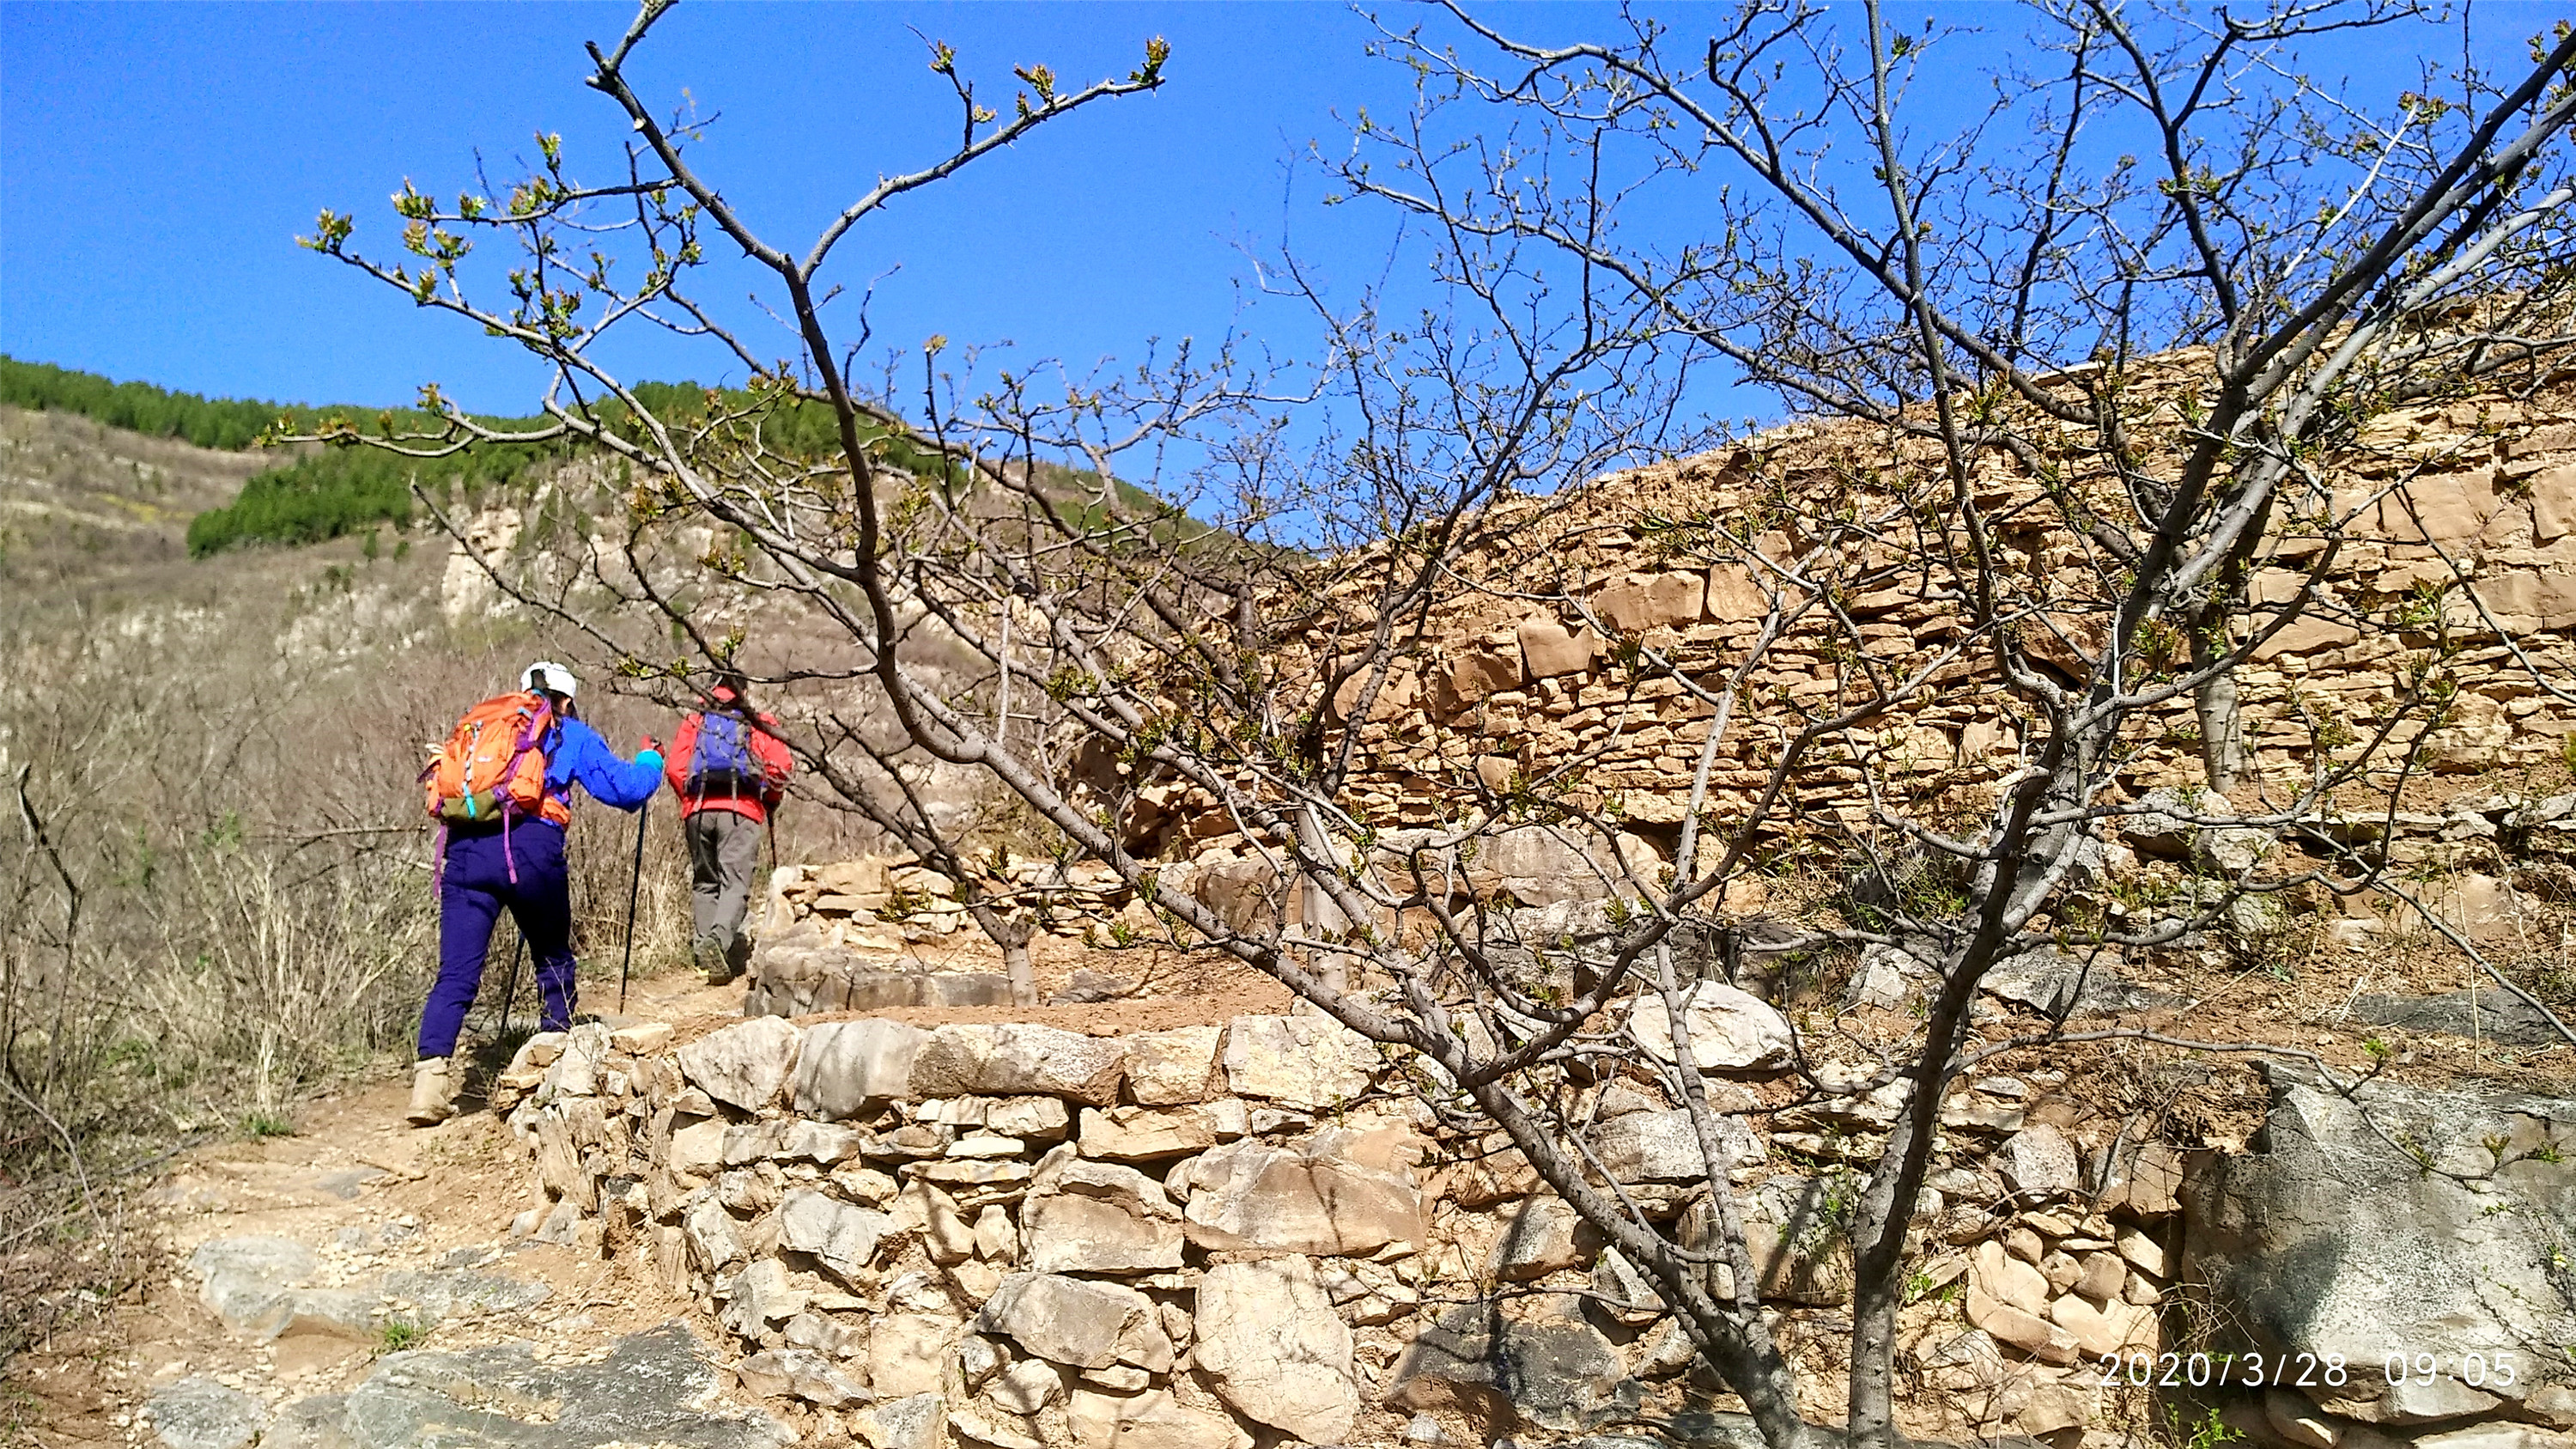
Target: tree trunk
[(2222, 723)]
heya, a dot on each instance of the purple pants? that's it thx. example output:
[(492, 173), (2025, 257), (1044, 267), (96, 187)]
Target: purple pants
[(471, 895)]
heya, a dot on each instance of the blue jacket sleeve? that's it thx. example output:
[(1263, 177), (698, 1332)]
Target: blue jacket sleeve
[(582, 757)]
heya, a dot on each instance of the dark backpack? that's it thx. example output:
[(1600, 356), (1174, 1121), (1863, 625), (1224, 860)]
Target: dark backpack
[(723, 763)]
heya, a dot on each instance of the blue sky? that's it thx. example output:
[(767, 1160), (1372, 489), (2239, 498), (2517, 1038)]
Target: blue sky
[(157, 159)]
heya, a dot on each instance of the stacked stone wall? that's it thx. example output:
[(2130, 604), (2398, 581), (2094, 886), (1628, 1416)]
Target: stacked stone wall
[(1209, 1237), (2479, 517)]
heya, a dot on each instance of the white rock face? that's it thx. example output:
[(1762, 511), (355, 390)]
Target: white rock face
[(1664, 1147), (1730, 1030), (1313, 1062), (1096, 1217), (1170, 1068), (1079, 1322), (1249, 1195), (744, 1064), (1269, 1339), (846, 1067), (842, 1237), (1015, 1059)]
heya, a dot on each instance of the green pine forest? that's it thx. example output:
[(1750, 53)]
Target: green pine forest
[(317, 495)]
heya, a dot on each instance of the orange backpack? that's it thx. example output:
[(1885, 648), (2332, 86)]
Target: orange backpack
[(492, 766)]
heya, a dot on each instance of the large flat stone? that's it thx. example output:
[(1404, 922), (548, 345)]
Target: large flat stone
[(1019, 1059), (1556, 1373), (1079, 1322), (1731, 1030), (1267, 1337), (1250, 1195), (1313, 1062), (744, 1064), (1665, 1147), (656, 1387), (2393, 1218), (1097, 1217), (845, 1068), (199, 1413)]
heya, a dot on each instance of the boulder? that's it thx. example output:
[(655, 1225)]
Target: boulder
[(841, 1237), (845, 1068), (2105, 1329), (1026, 1387), (1250, 1195), (1545, 865), (2394, 1218), (2027, 1331), (1150, 1420), (744, 1064), (2492, 1014), (822, 1142), (2054, 984), (1078, 1322), (712, 1233), (1096, 1217), (1664, 1147), (199, 1413), (2191, 825), (698, 1148), (1016, 1058), (1267, 1337), (1312, 1062), (1554, 1373), (641, 1038), (1543, 1235), (1730, 1030), (2040, 1164), (1650, 601), (1244, 894), (1793, 1232), (1168, 1068), (247, 1280), (762, 1295)]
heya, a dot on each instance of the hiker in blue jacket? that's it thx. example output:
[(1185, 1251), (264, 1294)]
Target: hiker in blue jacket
[(518, 863)]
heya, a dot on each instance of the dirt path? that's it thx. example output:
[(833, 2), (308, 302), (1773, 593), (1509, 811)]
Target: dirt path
[(357, 1238), (399, 1224)]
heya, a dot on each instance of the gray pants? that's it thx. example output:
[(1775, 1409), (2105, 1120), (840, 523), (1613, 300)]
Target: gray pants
[(724, 849)]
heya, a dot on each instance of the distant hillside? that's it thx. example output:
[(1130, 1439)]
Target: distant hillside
[(330, 493)]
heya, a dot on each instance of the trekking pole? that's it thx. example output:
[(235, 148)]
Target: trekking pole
[(634, 889), (510, 993)]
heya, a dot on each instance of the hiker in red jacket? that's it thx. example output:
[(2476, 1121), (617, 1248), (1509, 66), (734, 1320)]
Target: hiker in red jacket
[(728, 767)]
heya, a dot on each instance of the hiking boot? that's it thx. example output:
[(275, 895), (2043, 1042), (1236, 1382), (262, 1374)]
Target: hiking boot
[(433, 1092), (711, 963)]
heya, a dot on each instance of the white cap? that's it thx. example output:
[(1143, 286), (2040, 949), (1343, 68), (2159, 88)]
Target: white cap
[(548, 675)]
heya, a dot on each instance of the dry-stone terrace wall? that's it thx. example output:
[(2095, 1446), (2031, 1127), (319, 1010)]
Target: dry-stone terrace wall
[(1213, 1237), (2477, 524)]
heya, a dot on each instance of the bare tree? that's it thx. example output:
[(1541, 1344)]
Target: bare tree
[(2075, 397)]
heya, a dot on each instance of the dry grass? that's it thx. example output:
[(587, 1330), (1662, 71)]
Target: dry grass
[(215, 886)]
